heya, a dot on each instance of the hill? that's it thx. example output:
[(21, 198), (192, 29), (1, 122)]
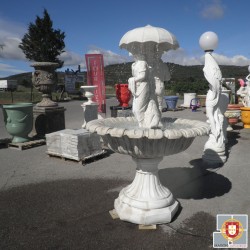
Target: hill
[(119, 73)]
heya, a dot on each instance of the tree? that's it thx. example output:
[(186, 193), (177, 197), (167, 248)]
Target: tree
[(42, 43)]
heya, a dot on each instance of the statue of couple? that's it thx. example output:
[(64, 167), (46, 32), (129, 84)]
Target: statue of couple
[(244, 92), (147, 87)]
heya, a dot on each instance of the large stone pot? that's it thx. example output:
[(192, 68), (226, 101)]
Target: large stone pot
[(245, 116), (18, 120), (44, 79), (171, 102), (123, 94)]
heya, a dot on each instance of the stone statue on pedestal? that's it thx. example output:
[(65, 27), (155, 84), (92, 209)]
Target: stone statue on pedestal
[(214, 150)]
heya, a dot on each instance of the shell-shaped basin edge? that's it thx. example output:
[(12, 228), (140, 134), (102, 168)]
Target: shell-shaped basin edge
[(121, 126)]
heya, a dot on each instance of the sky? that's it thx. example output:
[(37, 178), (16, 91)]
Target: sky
[(98, 26)]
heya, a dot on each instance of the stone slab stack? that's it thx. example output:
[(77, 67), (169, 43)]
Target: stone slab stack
[(75, 144)]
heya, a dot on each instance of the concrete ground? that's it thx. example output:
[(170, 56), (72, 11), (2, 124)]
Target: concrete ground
[(50, 203)]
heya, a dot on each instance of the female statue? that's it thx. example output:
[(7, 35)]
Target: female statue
[(145, 106), (159, 73), (216, 141)]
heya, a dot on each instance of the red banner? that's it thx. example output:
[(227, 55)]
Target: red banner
[(95, 76)]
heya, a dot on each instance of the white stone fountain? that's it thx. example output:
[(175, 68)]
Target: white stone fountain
[(147, 137)]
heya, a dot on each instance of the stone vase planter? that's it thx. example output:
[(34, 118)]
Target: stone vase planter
[(89, 93), (233, 114), (123, 94), (171, 102), (44, 79), (18, 120), (245, 116), (232, 117)]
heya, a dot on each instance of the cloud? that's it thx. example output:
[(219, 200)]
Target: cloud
[(71, 58), (10, 37), (214, 10), (237, 60), (180, 56), (6, 69), (10, 49)]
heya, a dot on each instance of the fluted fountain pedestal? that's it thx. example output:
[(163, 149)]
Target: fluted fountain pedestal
[(146, 201)]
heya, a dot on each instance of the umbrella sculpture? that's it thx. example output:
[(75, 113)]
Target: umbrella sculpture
[(148, 38)]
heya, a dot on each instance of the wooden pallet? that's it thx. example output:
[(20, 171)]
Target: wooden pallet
[(4, 142), (27, 145), (176, 109), (82, 160)]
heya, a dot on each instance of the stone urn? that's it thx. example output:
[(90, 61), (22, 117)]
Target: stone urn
[(18, 120), (89, 93), (233, 114), (245, 116), (44, 79), (123, 94)]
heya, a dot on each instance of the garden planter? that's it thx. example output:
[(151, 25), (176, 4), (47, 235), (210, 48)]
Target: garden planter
[(18, 120), (232, 117), (187, 99), (245, 116), (171, 102), (123, 94), (44, 80)]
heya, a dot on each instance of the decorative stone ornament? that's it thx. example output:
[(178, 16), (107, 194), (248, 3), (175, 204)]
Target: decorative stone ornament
[(44, 80), (214, 149)]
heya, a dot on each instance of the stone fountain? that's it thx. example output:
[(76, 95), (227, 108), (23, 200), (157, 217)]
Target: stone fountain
[(147, 137)]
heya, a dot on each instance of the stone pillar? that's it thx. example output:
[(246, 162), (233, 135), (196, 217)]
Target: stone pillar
[(47, 120), (187, 99), (90, 112)]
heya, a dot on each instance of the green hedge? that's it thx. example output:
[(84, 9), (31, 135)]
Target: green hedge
[(198, 86)]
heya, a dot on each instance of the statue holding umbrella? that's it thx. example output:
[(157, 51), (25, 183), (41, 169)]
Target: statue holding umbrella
[(147, 44)]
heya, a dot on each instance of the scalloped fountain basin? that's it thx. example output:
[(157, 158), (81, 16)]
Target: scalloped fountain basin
[(124, 136), (146, 201)]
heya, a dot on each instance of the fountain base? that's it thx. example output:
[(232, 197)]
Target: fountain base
[(146, 201)]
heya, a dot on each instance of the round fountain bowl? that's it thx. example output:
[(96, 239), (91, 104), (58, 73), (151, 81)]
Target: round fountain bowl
[(124, 136)]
